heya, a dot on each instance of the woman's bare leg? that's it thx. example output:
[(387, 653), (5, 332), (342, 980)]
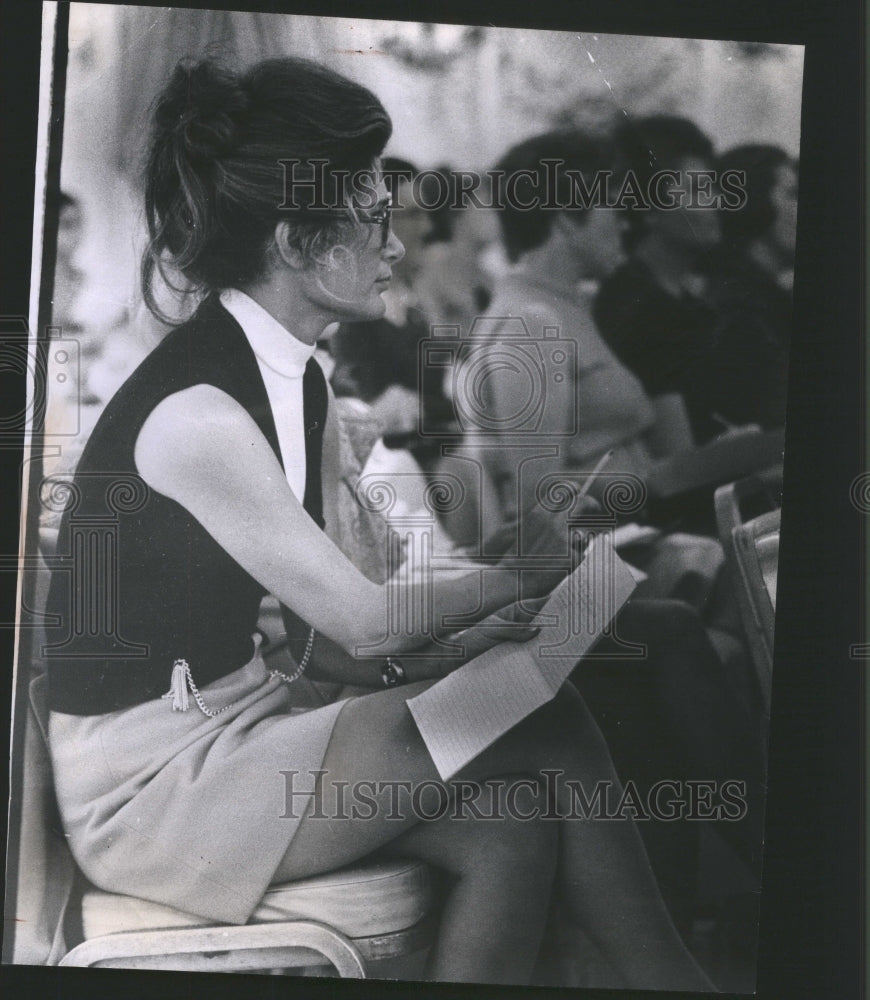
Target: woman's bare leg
[(605, 876), (500, 871), (501, 875), (603, 869)]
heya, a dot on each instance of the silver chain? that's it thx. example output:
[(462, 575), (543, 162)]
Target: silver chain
[(212, 712), (303, 663)]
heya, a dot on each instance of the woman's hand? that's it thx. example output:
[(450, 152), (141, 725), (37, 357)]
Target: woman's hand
[(510, 624)]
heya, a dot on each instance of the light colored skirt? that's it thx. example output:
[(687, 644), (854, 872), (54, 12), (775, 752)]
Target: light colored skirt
[(185, 810)]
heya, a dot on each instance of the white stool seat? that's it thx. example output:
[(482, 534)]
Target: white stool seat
[(359, 902)]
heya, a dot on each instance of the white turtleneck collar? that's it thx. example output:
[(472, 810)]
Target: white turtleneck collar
[(274, 345), (281, 359)]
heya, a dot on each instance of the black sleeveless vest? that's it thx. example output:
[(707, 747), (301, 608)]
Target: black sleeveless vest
[(137, 582)]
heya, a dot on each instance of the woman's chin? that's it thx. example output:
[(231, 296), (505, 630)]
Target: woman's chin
[(376, 307), (360, 312)]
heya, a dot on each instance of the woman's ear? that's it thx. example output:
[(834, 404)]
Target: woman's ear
[(287, 251)]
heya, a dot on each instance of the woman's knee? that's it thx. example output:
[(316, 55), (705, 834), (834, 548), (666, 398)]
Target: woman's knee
[(509, 835), (493, 828)]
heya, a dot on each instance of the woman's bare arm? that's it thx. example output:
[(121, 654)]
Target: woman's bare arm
[(202, 449), (329, 662)]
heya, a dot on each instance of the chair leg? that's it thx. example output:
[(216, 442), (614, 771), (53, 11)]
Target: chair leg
[(224, 948)]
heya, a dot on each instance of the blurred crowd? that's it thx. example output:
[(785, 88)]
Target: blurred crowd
[(677, 319)]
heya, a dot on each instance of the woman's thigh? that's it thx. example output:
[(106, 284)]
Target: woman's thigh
[(378, 779), (375, 752)]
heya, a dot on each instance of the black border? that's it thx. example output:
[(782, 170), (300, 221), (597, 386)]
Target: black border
[(812, 920)]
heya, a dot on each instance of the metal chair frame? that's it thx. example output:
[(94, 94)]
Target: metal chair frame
[(274, 947)]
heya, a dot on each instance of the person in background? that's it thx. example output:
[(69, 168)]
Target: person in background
[(453, 285), (68, 275), (651, 311), (63, 361), (750, 290), (589, 402), (674, 713)]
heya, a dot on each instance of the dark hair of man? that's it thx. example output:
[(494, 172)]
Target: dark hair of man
[(215, 184), (647, 146), (760, 164), (659, 142), (527, 176)]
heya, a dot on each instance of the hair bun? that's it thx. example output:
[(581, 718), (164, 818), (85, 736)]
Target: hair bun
[(200, 109)]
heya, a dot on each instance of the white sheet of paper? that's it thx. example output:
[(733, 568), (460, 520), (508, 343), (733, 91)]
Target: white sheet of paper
[(468, 710)]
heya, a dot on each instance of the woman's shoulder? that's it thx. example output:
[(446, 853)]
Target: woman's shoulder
[(202, 354), (197, 428), (194, 413)]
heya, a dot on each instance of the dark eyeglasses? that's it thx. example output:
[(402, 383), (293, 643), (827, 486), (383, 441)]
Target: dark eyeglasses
[(383, 219), (380, 218)]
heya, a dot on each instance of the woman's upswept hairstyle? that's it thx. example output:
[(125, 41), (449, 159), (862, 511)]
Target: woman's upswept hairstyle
[(223, 145)]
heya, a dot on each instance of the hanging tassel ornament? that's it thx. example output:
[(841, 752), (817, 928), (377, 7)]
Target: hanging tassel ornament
[(178, 687)]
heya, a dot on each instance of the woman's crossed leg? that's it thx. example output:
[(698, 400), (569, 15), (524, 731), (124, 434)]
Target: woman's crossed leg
[(501, 869)]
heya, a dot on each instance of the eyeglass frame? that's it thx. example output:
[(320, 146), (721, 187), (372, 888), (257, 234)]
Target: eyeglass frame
[(382, 218)]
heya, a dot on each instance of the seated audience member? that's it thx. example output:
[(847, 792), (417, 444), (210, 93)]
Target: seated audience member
[(651, 311), (453, 285), (241, 502), (673, 712), (750, 290), (589, 401)]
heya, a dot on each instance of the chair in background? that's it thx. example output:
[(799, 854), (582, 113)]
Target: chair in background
[(751, 545), (682, 487)]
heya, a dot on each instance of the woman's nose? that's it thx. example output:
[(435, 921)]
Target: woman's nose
[(394, 251)]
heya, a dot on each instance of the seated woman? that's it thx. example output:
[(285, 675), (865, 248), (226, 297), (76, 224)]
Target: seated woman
[(227, 434)]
